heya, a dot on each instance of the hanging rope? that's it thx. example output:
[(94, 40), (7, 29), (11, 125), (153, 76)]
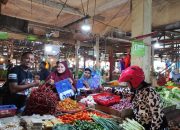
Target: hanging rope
[(94, 14), (61, 9), (87, 7), (117, 13), (31, 7), (83, 8)]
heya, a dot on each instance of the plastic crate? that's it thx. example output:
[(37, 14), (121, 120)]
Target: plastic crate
[(106, 99), (7, 110)]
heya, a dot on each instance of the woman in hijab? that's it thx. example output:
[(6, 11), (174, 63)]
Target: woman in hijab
[(88, 80), (62, 72)]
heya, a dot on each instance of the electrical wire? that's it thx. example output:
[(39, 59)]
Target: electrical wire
[(87, 7), (83, 8), (114, 16), (31, 7), (104, 23), (94, 14), (108, 24), (123, 21), (61, 9)]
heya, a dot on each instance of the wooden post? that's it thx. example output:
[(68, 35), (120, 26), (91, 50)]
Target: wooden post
[(97, 52), (0, 9), (77, 46), (84, 61), (141, 24), (112, 63)]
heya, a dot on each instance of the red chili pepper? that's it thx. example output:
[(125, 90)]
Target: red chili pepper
[(41, 101)]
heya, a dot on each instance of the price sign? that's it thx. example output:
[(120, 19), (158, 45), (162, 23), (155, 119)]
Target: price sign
[(79, 85), (138, 48), (64, 89)]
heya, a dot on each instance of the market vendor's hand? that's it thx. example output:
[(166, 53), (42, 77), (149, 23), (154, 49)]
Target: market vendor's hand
[(86, 84), (36, 77), (51, 81), (101, 87), (70, 80), (37, 82)]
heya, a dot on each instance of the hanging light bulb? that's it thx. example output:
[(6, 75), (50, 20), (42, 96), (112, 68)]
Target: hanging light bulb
[(157, 45), (86, 27)]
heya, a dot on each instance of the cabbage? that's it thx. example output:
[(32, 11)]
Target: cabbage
[(169, 97)]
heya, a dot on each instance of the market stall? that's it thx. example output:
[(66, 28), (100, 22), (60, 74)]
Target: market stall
[(66, 60), (45, 110), (109, 109)]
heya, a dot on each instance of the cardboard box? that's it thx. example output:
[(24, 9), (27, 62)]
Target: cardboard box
[(122, 114)]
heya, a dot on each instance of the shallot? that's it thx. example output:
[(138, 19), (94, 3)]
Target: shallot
[(123, 104)]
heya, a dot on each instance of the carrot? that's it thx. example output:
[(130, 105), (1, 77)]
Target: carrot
[(170, 87)]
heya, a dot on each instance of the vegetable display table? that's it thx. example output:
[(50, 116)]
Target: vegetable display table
[(122, 114)]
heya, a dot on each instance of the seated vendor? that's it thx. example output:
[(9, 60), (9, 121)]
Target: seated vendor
[(175, 75), (89, 82)]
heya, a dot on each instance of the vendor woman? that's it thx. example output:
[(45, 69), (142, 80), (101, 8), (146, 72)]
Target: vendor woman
[(146, 102), (88, 81), (61, 72)]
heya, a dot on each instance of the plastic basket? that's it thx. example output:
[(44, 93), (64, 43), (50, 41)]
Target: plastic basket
[(106, 99), (7, 110)]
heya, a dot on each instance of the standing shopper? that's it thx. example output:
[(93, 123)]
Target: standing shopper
[(19, 81), (146, 102), (44, 73)]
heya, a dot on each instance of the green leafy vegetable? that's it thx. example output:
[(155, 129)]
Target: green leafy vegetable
[(129, 124), (169, 97), (107, 123), (85, 125), (63, 127)]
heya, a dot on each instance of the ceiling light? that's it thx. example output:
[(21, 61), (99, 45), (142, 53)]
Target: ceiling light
[(1, 59), (48, 48), (86, 27), (157, 45)]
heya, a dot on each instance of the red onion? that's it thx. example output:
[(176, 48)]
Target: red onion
[(123, 104)]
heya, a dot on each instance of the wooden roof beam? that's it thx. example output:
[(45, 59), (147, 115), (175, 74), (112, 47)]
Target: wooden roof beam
[(58, 5), (106, 5)]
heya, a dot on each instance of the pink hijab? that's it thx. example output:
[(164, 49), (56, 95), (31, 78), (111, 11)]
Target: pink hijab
[(58, 77)]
